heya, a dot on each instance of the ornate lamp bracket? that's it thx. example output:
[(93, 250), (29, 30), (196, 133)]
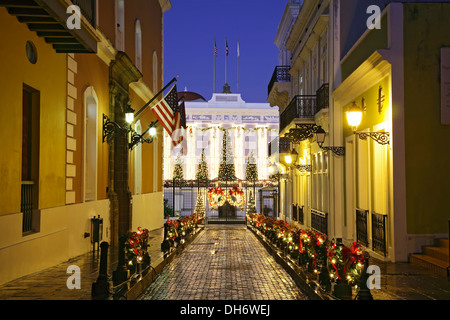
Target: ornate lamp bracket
[(302, 131), (110, 128), (139, 138), (303, 167), (380, 137), (338, 151)]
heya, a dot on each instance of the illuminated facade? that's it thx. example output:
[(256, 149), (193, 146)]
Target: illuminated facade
[(251, 126), (56, 84), (384, 189)]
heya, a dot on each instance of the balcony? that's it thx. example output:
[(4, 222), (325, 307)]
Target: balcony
[(279, 87), (300, 108), (279, 145), (280, 74), (322, 96), (48, 18)]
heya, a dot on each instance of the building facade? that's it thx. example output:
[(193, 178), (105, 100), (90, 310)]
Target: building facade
[(250, 128), (65, 73), (366, 183)]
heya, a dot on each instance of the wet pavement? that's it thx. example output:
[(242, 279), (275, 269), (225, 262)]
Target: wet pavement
[(224, 263)]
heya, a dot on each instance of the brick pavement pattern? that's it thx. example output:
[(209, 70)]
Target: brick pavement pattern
[(224, 263)]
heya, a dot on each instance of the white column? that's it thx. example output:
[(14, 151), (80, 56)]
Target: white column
[(262, 153), (239, 158)]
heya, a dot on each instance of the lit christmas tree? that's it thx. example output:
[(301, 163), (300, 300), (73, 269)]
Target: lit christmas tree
[(251, 207), (200, 206), (202, 169), (251, 172), (226, 167), (178, 170)]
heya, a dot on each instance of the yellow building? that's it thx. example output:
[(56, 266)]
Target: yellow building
[(382, 183), (58, 80)]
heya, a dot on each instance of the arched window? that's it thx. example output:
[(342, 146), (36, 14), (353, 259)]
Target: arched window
[(90, 144), (120, 25), (155, 72), (138, 44)]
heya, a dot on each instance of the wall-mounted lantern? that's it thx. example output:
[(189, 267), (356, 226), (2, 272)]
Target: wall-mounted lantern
[(354, 118), (320, 139)]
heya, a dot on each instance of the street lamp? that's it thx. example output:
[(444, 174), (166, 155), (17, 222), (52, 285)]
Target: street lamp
[(291, 157), (129, 115), (320, 139), (354, 118), (139, 138), (111, 128)]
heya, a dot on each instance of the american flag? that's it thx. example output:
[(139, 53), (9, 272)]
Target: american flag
[(226, 42), (165, 110), (215, 49)]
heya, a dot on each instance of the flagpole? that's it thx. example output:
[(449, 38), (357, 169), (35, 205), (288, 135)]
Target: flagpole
[(226, 54), (214, 72), (237, 84), (154, 97)]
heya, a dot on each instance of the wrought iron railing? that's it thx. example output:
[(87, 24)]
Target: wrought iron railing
[(279, 145), (319, 221), (361, 226), (26, 205), (280, 74), (300, 107), (379, 232), (323, 97), (301, 215), (88, 9)]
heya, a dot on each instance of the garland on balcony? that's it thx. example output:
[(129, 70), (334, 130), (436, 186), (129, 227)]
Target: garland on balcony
[(313, 249)]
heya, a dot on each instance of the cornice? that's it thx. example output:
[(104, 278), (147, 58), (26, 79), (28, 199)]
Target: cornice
[(165, 5), (375, 68)]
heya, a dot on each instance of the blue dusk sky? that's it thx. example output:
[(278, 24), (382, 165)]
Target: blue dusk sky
[(190, 27)]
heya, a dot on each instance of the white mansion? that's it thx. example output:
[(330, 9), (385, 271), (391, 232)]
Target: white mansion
[(250, 126)]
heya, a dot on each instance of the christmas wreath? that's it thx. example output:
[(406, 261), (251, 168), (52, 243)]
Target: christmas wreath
[(236, 197), (216, 197)]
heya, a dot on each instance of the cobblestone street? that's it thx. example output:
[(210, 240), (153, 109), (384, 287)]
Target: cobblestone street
[(224, 263)]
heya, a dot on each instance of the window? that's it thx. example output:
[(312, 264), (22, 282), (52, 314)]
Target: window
[(30, 159), (31, 52), (320, 182), (91, 144), (138, 45), (120, 25)]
